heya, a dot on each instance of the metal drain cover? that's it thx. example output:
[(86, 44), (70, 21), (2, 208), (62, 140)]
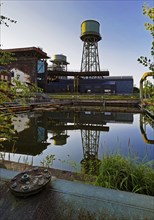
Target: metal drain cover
[(30, 182)]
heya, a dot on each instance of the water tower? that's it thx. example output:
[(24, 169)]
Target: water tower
[(90, 63), (90, 36), (59, 63)]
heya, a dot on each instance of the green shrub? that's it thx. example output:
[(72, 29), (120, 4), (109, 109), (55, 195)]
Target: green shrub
[(117, 172)]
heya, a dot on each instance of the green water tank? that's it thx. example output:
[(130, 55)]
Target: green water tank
[(59, 57), (90, 29)]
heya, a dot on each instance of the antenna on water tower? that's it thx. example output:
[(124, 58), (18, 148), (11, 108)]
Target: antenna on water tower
[(90, 36)]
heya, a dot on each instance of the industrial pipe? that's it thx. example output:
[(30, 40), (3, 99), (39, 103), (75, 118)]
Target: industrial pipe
[(145, 75)]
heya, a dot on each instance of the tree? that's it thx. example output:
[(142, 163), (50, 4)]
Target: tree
[(6, 57), (11, 91), (148, 89), (7, 91), (5, 20), (149, 12)]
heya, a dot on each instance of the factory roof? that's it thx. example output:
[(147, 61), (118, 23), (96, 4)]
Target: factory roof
[(35, 50), (78, 73)]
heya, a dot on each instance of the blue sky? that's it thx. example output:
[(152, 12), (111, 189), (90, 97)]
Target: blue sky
[(55, 26)]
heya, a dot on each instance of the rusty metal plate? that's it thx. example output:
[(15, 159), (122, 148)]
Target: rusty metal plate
[(30, 182)]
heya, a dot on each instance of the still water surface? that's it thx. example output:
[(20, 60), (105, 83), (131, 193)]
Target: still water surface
[(75, 137)]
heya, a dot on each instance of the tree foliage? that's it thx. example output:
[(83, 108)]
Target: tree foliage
[(148, 89), (6, 20), (17, 90), (149, 12), (11, 91), (6, 57)]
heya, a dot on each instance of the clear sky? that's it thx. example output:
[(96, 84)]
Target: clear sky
[(55, 26)]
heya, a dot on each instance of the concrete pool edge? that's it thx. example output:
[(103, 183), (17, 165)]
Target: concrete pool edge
[(93, 199)]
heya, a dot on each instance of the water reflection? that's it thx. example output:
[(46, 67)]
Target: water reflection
[(144, 122), (35, 133), (30, 137)]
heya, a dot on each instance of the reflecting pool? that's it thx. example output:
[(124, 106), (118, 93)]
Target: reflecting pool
[(78, 139)]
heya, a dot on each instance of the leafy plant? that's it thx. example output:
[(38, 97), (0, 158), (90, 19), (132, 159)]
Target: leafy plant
[(148, 89), (6, 57), (71, 163), (4, 20), (149, 12), (48, 161), (6, 128)]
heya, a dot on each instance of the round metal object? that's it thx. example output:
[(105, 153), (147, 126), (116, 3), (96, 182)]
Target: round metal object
[(30, 182)]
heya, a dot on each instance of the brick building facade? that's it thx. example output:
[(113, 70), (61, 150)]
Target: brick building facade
[(27, 65)]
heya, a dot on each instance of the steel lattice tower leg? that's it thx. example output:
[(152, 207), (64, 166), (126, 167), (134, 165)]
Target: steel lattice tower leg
[(90, 57)]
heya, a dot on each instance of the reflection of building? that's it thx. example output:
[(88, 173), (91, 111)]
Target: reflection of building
[(30, 137), (33, 128), (90, 124), (20, 123)]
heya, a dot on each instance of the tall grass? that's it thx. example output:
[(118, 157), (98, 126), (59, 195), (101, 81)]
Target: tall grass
[(117, 172), (91, 96)]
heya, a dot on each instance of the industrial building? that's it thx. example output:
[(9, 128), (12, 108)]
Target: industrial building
[(29, 66), (108, 85), (32, 67), (90, 78)]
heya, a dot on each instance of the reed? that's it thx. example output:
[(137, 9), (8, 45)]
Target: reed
[(117, 172)]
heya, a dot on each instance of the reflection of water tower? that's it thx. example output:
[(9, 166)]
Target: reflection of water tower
[(90, 36), (59, 63), (90, 144), (59, 135)]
